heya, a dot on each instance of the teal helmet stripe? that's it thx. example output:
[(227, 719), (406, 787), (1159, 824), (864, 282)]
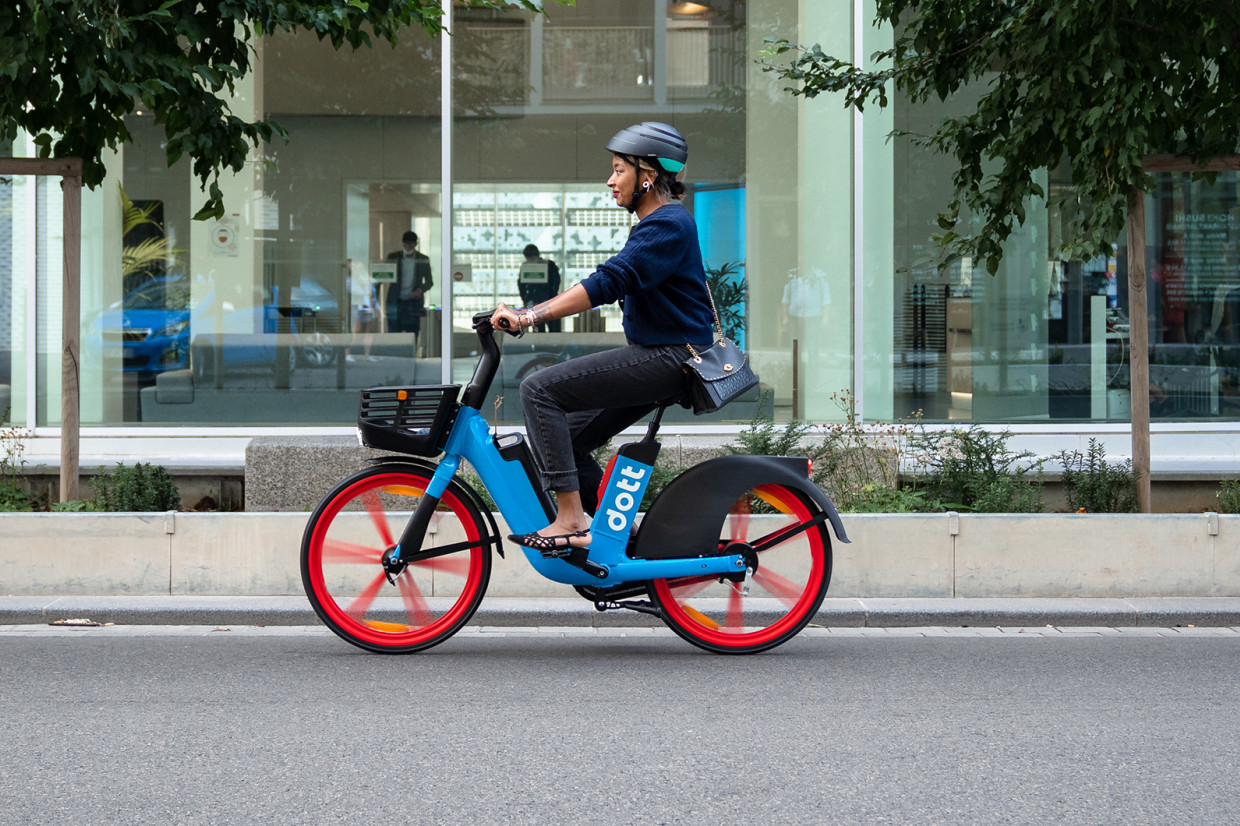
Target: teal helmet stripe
[(671, 165)]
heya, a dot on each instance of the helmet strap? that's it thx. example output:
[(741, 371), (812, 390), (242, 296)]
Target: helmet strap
[(637, 186)]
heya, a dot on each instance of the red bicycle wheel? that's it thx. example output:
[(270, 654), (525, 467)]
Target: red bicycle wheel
[(786, 590), (342, 571)]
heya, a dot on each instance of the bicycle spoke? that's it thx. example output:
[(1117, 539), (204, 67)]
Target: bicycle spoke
[(687, 587), (370, 499), (361, 603), (445, 565), (735, 620), (739, 519), (416, 609), (335, 550), (787, 591), (780, 535)]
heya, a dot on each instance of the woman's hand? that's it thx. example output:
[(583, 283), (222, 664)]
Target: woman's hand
[(505, 318)]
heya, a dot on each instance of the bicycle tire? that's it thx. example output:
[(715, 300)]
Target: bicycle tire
[(786, 590), (343, 575)]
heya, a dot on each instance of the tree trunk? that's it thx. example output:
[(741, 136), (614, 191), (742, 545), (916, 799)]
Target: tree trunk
[(1139, 347)]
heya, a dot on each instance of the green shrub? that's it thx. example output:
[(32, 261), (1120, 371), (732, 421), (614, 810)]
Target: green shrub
[(14, 498), (74, 506), (975, 470), (143, 487), (875, 498), (762, 437), (470, 477), (1094, 485), (1229, 496), (15, 493)]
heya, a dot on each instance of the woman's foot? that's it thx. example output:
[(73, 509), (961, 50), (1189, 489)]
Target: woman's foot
[(553, 545)]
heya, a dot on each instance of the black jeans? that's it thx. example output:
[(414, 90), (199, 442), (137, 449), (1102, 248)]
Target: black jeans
[(575, 407)]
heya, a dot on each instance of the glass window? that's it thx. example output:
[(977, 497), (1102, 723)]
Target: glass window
[(1193, 289), (531, 170), (13, 267)]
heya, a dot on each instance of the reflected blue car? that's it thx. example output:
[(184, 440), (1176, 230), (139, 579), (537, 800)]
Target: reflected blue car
[(151, 326)]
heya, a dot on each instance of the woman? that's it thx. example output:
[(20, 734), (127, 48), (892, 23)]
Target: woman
[(575, 407)]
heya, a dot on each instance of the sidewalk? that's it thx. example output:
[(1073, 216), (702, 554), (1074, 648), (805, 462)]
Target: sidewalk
[(574, 611)]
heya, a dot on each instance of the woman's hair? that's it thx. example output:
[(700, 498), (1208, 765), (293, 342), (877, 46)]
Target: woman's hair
[(665, 183)]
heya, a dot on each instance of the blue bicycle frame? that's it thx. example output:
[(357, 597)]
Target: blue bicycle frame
[(523, 509)]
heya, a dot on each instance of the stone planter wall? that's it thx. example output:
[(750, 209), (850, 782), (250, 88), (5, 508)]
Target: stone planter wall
[(937, 555)]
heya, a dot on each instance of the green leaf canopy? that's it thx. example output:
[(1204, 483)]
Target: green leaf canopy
[(71, 70), (1094, 87)]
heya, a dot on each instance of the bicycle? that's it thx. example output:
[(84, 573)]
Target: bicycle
[(413, 525)]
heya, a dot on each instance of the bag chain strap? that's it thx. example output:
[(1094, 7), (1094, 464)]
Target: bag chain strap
[(718, 325)]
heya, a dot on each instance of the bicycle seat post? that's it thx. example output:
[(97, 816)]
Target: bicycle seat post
[(652, 429)]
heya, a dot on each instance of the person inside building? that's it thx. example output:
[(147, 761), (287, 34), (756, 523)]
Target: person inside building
[(574, 407), (406, 298), (538, 281)]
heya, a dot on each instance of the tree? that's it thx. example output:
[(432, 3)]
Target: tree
[(73, 69), (1101, 88)]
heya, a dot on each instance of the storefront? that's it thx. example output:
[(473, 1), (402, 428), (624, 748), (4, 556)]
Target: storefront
[(815, 227)]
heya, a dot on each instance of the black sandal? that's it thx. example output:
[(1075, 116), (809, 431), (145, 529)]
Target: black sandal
[(551, 547)]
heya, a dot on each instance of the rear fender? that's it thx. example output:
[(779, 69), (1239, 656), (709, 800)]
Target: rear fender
[(685, 518)]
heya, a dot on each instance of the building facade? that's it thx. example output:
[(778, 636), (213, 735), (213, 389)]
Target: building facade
[(816, 229)]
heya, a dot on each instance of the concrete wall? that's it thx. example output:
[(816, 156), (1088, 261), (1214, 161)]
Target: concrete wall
[(940, 555)]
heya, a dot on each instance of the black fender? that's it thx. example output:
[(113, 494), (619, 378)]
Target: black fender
[(462, 490), (684, 519)]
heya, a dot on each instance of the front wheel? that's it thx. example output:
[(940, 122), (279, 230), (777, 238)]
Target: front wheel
[(786, 590), (342, 571)]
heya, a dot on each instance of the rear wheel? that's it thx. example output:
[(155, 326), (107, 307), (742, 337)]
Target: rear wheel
[(786, 590), (343, 574)]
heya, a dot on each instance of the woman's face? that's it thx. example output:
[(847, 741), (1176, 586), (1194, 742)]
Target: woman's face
[(622, 180)]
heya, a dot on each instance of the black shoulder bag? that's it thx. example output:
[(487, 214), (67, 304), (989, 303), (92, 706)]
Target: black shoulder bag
[(718, 374)]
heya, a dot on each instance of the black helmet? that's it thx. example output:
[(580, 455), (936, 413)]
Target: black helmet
[(653, 140)]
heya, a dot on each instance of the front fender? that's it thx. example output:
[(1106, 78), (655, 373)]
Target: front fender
[(461, 488), (685, 518)]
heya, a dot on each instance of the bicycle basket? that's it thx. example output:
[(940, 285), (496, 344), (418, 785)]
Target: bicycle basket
[(407, 419)]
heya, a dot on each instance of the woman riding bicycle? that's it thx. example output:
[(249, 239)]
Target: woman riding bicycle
[(575, 407)]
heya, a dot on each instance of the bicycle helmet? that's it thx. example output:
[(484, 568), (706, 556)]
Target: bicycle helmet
[(659, 144), (657, 141)]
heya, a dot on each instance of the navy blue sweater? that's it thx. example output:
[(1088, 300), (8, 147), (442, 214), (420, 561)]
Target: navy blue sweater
[(659, 281)]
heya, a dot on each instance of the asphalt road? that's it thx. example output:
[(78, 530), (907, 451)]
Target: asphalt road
[(104, 726)]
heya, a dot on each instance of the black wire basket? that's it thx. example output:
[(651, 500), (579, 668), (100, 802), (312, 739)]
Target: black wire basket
[(411, 420)]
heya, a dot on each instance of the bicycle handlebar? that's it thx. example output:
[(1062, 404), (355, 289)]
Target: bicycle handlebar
[(488, 362)]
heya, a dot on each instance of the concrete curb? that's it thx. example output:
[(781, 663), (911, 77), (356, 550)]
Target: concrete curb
[(573, 611)]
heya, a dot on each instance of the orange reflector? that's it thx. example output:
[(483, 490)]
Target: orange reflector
[(701, 618), (402, 394), (392, 627), (774, 501), (403, 490)]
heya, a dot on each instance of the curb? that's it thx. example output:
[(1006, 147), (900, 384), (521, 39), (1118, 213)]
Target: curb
[(575, 612)]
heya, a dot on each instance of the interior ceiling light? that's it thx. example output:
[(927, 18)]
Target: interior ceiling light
[(688, 10)]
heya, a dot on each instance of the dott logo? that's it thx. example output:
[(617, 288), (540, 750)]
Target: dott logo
[(618, 517)]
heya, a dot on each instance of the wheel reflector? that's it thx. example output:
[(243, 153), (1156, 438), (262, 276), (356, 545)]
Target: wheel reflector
[(390, 627), (700, 617)]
